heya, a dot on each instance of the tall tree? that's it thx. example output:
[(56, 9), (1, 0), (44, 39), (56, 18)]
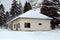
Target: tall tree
[(49, 9), (13, 8), (19, 9), (2, 8), (2, 14), (27, 7), (16, 8), (7, 15)]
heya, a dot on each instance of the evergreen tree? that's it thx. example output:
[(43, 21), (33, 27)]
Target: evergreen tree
[(27, 7), (13, 8), (19, 9), (1, 21), (2, 14), (7, 15), (49, 9), (16, 8), (2, 8)]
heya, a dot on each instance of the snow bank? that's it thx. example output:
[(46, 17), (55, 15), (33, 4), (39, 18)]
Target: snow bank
[(37, 35)]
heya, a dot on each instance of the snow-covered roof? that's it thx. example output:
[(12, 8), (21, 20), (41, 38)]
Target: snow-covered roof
[(32, 14)]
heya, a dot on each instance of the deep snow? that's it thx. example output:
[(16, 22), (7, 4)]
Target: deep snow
[(24, 35)]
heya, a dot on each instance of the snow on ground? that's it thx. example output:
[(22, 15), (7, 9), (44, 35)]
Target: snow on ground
[(24, 35)]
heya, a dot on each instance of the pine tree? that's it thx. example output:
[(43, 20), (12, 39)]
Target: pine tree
[(51, 9), (27, 7), (19, 9), (48, 10), (16, 8), (1, 22), (2, 9), (2, 14), (13, 8), (7, 15)]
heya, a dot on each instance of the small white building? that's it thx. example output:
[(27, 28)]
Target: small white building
[(32, 20)]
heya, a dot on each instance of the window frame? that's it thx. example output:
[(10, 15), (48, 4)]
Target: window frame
[(27, 25)]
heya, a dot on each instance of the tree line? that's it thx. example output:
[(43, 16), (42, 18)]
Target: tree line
[(15, 10), (51, 9)]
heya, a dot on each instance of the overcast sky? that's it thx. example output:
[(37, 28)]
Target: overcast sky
[(7, 4)]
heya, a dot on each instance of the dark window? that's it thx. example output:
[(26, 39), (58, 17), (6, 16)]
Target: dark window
[(27, 25), (40, 23)]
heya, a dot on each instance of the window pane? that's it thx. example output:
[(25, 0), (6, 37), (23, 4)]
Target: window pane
[(27, 25)]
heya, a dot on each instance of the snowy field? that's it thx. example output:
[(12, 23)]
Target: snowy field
[(36, 35)]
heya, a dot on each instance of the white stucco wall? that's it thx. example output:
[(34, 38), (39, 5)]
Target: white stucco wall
[(34, 24)]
